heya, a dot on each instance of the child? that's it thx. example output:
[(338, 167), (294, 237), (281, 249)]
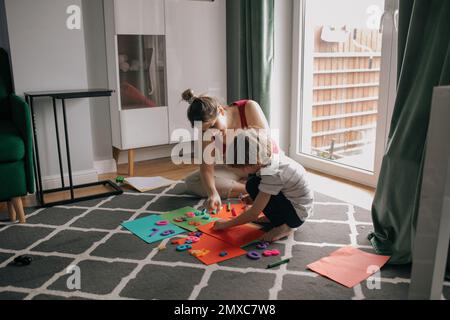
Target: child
[(278, 188)]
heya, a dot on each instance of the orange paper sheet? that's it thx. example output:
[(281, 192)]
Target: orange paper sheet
[(224, 214), (216, 246), (237, 236), (348, 266)]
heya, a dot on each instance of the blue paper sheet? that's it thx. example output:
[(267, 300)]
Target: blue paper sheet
[(143, 229)]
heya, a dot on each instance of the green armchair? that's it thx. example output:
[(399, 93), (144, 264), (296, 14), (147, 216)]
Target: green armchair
[(16, 145)]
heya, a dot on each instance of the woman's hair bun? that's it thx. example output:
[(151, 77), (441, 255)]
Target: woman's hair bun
[(188, 95)]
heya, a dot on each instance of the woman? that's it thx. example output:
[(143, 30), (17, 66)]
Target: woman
[(218, 181)]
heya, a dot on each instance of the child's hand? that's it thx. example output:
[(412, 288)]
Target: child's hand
[(221, 225)]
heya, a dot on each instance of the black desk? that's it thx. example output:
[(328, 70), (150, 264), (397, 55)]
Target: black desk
[(63, 96)]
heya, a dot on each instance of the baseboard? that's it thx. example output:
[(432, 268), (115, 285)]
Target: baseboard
[(105, 166), (150, 153), (79, 177)]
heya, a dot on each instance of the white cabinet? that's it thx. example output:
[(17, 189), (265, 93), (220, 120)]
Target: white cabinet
[(156, 49)]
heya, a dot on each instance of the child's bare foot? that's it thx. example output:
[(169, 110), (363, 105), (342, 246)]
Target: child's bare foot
[(277, 233)]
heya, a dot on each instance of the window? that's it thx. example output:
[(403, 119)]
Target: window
[(344, 73)]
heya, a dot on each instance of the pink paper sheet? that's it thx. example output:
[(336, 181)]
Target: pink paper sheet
[(348, 266)]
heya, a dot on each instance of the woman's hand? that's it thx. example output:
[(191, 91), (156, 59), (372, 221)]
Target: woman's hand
[(221, 225), (214, 202)]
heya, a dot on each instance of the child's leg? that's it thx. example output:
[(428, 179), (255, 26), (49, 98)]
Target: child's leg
[(279, 211)]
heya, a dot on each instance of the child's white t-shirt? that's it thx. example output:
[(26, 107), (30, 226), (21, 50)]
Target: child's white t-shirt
[(289, 177)]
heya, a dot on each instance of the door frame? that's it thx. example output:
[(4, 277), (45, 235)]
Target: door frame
[(388, 86)]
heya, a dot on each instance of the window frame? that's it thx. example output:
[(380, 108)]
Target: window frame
[(388, 86)]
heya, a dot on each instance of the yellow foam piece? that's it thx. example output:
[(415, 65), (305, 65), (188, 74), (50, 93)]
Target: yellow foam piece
[(200, 253)]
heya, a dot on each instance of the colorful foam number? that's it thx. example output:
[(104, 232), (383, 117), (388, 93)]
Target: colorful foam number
[(190, 214), (271, 253), (184, 247), (262, 245), (193, 239), (254, 255), (154, 231), (200, 253), (167, 233)]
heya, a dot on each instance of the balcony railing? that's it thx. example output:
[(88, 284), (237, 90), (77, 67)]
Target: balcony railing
[(345, 91)]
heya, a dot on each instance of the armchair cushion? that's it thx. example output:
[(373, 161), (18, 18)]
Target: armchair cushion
[(21, 117), (12, 147)]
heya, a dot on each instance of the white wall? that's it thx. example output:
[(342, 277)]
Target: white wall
[(97, 73), (48, 56), (281, 78)]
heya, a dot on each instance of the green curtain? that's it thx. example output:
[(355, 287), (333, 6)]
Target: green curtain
[(424, 62), (250, 50)]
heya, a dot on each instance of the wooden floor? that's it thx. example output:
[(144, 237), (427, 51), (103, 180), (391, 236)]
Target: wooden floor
[(338, 188)]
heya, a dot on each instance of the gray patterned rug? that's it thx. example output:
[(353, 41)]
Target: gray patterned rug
[(114, 264)]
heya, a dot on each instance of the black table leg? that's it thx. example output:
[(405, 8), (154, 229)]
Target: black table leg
[(58, 142), (69, 165), (116, 190), (27, 100), (37, 164)]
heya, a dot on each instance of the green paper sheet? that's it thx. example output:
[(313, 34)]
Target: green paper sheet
[(182, 213)]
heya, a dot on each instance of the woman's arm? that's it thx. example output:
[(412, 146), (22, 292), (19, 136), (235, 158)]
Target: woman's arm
[(261, 201), (207, 176), (208, 181)]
